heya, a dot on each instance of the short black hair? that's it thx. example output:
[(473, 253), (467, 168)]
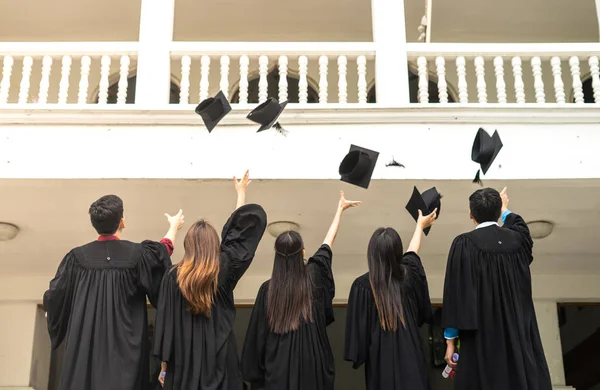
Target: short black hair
[(485, 205), (106, 214)]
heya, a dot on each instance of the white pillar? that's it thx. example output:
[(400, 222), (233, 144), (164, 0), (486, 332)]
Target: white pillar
[(391, 64), (154, 60), (17, 329), (547, 318)]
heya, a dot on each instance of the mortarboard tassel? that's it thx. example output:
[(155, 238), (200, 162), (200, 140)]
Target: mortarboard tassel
[(477, 179), (280, 129), (394, 163)]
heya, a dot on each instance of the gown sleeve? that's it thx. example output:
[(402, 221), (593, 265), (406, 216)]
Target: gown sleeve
[(320, 264), (418, 280), (460, 287), (516, 223), (253, 353), (58, 299), (164, 330), (153, 265), (358, 332), (240, 238)]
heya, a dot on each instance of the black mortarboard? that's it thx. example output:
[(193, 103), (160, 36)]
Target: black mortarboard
[(212, 110), (358, 165), (485, 149), (426, 202), (266, 114)]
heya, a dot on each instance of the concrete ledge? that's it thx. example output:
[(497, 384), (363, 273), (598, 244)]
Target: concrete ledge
[(298, 114)]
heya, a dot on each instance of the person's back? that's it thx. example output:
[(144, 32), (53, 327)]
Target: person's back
[(194, 321), (488, 302), (386, 308), (97, 305), (286, 345)]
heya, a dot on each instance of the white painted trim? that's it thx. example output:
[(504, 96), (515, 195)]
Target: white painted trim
[(295, 114), (524, 50), (253, 49), (59, 49)]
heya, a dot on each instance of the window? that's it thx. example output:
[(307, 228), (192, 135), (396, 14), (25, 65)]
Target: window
[(114, 89), (273, 89), (588, 91), (413, 87)]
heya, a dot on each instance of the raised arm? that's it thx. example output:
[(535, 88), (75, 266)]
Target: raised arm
[(343, 204), (240, 188), (515, 222), (422, 223), (175, 223)]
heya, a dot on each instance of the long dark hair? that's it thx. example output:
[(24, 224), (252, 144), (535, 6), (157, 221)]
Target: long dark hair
[(289, 299), (198, 272), (386, 275)]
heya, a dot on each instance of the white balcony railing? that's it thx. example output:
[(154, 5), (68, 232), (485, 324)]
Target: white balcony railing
[(323, 72), (65, 72), (537, 73), (86, 73)]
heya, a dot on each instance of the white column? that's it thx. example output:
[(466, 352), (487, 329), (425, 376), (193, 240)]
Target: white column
[(154, 60), (547, 318), (391, 64), (17, 330)]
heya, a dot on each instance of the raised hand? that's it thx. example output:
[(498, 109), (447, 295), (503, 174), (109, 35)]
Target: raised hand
[(345, 204), (425, 221), (242, 184), (176, 221), (505, 200)]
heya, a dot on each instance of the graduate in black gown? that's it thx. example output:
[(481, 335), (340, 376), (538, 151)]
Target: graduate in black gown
[(194, 320), (97, 303), (488, 302), (386, 308), (286, 345)]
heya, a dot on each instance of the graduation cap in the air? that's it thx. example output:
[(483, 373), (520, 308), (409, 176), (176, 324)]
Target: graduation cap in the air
[(485, 149), (267, 113), (426, 202), (212, 110), (358, 165)]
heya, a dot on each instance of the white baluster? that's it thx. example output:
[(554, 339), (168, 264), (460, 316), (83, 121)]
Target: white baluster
[(423, 83), (500, 84), (342, 82), (577, 86), (440, 63), (323, 85), (283, 75), (361, 63), (25, 80), (104, 84), (184, 87), (84, 83), (45, 80), (303, 82), (519, 85), (481, 87), (63, 89), (263, 84), (204, 73), (244, 65), (123, 75), (224, 85), (595, 72), (559, 87), (461, 71), (7, 65), (538, 83)]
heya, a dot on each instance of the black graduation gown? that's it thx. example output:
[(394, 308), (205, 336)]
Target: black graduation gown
[(393, 360), (301, 359), (201, 352), (99, 308), (487, 297)]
